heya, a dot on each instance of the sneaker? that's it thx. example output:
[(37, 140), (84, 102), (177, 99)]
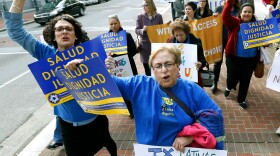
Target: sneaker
[(226, 93), (54, 145), (243, 105), (214, 87)]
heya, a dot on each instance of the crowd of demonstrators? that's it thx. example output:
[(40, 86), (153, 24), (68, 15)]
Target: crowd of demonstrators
[(203, 9), (147, 18), (82, 133), (240, 62), (181, 34), (115, 26), (161, 121), (86, 134), (217, 66)]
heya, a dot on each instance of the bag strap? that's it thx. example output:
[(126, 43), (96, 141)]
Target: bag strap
[(178, 101)]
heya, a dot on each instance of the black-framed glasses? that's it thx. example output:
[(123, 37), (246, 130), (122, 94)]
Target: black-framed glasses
[(61, 28), (167, 66)]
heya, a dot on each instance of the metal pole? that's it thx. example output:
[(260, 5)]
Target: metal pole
[(36, 5), (4, 6)]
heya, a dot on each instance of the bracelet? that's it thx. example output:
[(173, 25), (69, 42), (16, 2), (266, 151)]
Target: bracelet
[(19, 9)]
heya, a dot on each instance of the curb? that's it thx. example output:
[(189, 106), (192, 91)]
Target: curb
[(25, 23)]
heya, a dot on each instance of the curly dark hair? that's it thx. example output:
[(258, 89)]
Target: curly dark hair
[(49, 31), (180, 24), (192, 5)]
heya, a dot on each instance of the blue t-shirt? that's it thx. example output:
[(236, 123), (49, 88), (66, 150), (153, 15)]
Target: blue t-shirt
[(241, 52)]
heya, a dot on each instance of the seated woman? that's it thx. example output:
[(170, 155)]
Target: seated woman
[(181, 34), (159, 119)]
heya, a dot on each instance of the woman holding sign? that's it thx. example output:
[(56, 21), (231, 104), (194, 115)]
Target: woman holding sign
[(240, 62), (115, 26), (148, 18), (160, 120), (82, 133), (181, 34)]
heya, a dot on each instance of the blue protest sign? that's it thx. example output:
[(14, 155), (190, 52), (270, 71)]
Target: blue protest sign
[(258, 33), (276, 13), (93, 88), (43, 70), (116, 43)]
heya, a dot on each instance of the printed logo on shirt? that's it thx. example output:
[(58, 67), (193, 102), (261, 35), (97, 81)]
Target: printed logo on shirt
[(167, 109)]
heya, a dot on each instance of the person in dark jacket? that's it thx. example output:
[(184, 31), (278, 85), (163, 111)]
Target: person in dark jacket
[(181, 34), (115, 26), (217, 65), (240, 62)]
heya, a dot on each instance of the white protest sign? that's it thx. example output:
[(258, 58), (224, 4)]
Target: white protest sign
[(147, 150), (122, 66), (273, 78), (188, 59), (262, 11)]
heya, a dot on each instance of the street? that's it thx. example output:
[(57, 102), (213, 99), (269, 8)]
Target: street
[(22, 101)]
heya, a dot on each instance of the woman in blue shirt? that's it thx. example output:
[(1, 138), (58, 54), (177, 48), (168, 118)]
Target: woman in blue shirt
[(82, 133), (158, 118)]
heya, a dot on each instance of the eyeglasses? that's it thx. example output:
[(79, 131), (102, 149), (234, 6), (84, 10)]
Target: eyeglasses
[(145, 5), (67, 28), (167, 65)]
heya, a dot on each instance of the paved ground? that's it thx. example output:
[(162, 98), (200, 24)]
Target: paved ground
[(248, 132)]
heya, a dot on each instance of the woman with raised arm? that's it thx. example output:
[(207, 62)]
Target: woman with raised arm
[(82, 133), (240, 62)]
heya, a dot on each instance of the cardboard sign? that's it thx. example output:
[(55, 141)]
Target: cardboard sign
[(273, 78), (43, 70), (276, 13), (159, 33), (93, 88), (116, 43), (258, 33), (147, 150), (209, 30), (122, 67), (188, 59)]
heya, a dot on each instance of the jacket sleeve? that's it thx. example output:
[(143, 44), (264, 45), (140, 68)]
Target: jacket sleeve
[(16, 31), (131, 46), (139, 25), (200, 54), (228, 20)]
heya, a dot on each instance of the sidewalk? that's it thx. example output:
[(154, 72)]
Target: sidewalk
[(248, 132), (28, 17)]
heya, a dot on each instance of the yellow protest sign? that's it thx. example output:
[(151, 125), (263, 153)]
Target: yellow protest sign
[(159, 33), (209, 30)]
